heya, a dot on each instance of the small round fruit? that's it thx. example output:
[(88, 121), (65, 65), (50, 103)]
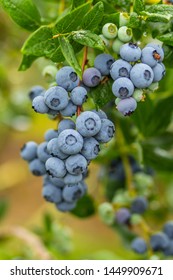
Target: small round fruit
[(130, 52), (150, 56), (42, 152), (37, 167), (159, 241), (159, 72), (78, 95), (106, 132), (110, 30), (39, 106), (139, 245), (67, 78), (91, 77), (88, 124), (36, 91), (116, 45), (127, 106), (51, 193), (70, 142), (123, 216), (120, 68), (103, 63), (70, 110), (125, 34), (56, 98), (29, 151), (123, 88), (158, 49), (55, 167), (91, 148), (76, 164), (141, 75)]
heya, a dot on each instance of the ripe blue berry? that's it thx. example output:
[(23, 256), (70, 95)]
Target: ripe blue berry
[(158, 49), (50, 133), (70, 142), (78, 95), (56, 98), (37, 167), (139, 245), (127, 106), (103, 63), (39, 106), (42, 152), (159, 72), (72, 193), (159, 241), (65, 206), (58, 182), (76, 164), (169, 250), (100, 113), (29, 151), (168, 229), (120, 68), (55, 167), (36, 91), (66, 124), (53, 149), (88, 124), (69, 110), (123, 88), (130, 52), (67, 78), (106, 132), (150, 56), (141, 75), (91, 148), (51, 193), (70, 179), (125, 34), (91, 77), (139, 205), (110, 30), (123, 216)]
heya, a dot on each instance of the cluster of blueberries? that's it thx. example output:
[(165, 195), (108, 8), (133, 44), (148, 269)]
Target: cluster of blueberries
[(63, 158), (159, 242)]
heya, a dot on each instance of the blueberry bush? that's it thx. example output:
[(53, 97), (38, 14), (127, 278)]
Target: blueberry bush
[(106, 86)]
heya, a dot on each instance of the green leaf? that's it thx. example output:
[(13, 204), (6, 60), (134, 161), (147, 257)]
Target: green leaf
[(69, 55), (139, 6), (164, 141), (76, 3), (102, 94), (40, 43), (92, 19), (160, 9), (85, 207), (72, 20), (87, 38), (135, 21), (23, 12), (26, 62), (151, 17), (167, 38), (113, 18)]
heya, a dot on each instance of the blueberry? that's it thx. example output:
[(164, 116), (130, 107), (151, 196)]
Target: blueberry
[(106, 132), (91, 77), (58, 182), (158, 49), (88, 124), (125, 34), (36, 91), (65, 206), (50, 133), (123, 88), (150, 56), (159, 72), (110, 30), (70, 110), (100, 113), (159, 241), (120, 68), (53, 149), (139, 205), (76, 164), (127, 106), (70, 142), (139, 245), (141, 75), (66, 124), (169, 250), (72, 193), (39, 106), (123, 216), (70, 179), (116, 46), (37, 167), (29, 151), (103, 63), (56, 98), (42, 152), (67, 78), (78, 95), (55, 167), (130, 52), (51, 193), (168, 229), (91, 148), (53, 113)]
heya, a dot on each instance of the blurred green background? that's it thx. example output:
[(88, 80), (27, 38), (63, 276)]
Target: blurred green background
[(30, 228)]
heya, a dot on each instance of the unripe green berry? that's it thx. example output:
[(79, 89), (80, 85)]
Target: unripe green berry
[(154, 86), (117, 44), (136, 219), (143, 181), (110, 30), (105, 41), (123, 19), (125, 34), (106, 213), (117, 100), (49, 73), (138, 95)]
